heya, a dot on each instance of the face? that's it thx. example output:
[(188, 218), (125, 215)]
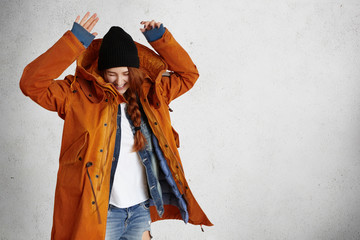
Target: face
[(119, 76)]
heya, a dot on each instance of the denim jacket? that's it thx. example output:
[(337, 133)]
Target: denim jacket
[(161, 184)]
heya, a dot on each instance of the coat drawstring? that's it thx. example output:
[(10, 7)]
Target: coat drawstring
[(89, 164)]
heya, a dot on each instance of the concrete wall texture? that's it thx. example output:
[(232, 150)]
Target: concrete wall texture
[(270, 134)]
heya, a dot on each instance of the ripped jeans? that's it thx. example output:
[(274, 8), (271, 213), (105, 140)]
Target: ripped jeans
[(128, 223)]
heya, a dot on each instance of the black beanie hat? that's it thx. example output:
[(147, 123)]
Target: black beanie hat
[(117, 50)]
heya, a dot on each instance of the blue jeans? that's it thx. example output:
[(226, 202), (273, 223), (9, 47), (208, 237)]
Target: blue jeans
[(128, 223)]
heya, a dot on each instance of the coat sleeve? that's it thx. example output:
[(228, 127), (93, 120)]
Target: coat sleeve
[(184, 72), (37, 81)]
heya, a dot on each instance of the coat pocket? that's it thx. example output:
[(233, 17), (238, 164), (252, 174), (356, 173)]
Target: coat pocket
[(76, 152), (71, 173)]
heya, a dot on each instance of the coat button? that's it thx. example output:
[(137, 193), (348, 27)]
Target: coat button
[(93, 202), (105, 124), (74, 91), (80, 158), (106, 100), (97, 176), (155, 123), (101, 150), (166, 145), (90, 95)]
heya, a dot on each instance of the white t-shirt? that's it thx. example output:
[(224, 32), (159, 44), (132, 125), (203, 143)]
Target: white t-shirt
[(130, 184)]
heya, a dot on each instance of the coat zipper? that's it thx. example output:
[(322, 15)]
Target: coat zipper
[(109, 121)]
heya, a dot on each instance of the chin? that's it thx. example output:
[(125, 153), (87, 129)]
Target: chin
[(122, 91)]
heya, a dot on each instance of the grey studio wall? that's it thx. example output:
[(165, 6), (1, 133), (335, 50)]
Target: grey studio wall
[(269, 135)]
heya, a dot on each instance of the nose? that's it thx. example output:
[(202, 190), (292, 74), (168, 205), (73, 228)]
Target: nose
[(120, 80)]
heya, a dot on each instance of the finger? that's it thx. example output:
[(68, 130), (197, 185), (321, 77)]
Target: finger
[(84, 18), (95, 34), (158, 24), (89, 21), (152, 24), (146, 26), (77, 19), (93, 23)]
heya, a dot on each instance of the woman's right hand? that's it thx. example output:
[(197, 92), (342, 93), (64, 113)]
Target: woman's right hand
[(88, 24)]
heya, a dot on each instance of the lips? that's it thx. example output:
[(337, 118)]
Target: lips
[(120, 87)]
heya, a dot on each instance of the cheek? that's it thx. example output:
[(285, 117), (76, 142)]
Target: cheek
[(110, 79)]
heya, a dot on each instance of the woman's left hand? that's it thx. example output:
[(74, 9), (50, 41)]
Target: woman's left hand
[(148, 25)]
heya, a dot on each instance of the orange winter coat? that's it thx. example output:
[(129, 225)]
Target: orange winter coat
[(88, 106)]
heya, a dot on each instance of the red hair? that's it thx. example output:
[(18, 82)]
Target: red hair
[(136, 77)]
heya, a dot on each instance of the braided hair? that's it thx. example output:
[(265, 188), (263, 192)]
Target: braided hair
[(136, 78)]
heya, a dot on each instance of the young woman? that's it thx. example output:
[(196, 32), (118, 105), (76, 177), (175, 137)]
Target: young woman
[(119, 166)]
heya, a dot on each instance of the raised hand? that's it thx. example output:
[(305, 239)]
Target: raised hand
[(88, 24), (148, 25)]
